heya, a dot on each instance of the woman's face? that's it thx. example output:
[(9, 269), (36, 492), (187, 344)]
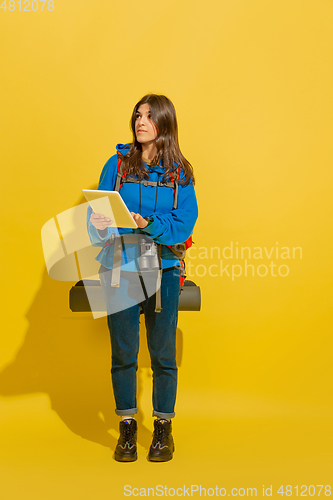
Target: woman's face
[(145, 129)]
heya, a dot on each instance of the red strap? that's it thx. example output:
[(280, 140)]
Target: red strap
[(182, 278), (188, 243), (119, 163), (173, 189)]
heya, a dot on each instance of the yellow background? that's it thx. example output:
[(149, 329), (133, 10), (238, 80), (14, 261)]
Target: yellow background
[(252, 85)]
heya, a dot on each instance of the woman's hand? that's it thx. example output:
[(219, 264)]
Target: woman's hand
[(99, 221), (141, 222)]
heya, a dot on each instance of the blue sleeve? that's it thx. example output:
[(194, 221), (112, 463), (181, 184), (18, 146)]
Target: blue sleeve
[(108, 176), (176, 226), (106, 182)]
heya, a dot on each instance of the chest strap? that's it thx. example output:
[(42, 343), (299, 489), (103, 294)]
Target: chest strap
[(145, 182), (122, 178)]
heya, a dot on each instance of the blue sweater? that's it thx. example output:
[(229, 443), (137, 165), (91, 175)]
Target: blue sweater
[(169, 227)]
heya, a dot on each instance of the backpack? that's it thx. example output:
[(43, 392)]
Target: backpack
[(180, 249)]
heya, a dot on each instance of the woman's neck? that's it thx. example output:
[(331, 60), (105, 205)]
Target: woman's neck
[(149, 151)]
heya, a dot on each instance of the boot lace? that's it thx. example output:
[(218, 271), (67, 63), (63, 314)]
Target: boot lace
[(160, 435), (127, 433)]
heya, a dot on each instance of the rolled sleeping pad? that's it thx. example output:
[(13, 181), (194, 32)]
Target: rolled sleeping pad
[(189, 298)]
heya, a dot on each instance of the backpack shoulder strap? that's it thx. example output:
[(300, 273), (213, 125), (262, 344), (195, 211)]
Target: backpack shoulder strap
[(121, 173), (175, 180)]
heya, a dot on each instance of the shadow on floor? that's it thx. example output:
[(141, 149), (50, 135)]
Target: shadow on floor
[(67, 356)]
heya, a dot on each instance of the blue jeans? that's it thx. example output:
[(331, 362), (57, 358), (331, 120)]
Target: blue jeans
[(161, 339)]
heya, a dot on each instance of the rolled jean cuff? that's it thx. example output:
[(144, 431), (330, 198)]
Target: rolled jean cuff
[(163, 415), (131, 411)]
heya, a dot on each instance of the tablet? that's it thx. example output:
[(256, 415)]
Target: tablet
[(110, 204)]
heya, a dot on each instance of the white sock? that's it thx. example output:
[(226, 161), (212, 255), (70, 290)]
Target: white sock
[(127, 417)]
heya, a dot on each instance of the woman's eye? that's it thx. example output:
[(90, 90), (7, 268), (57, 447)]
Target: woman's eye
[(139, 116)]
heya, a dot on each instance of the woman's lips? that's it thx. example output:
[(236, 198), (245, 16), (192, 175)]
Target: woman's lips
[(139, 131)]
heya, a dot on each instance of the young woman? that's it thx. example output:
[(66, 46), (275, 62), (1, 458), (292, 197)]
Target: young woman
[(157, 185)]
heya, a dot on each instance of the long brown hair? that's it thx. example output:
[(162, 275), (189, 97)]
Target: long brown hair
[(163, 115)]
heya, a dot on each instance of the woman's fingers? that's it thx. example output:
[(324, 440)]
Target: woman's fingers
[(99, 216), (99, 221), (141, 222)]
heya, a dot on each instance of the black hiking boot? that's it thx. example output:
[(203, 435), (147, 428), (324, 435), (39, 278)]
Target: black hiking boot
[(162, 447), (126, 447)]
